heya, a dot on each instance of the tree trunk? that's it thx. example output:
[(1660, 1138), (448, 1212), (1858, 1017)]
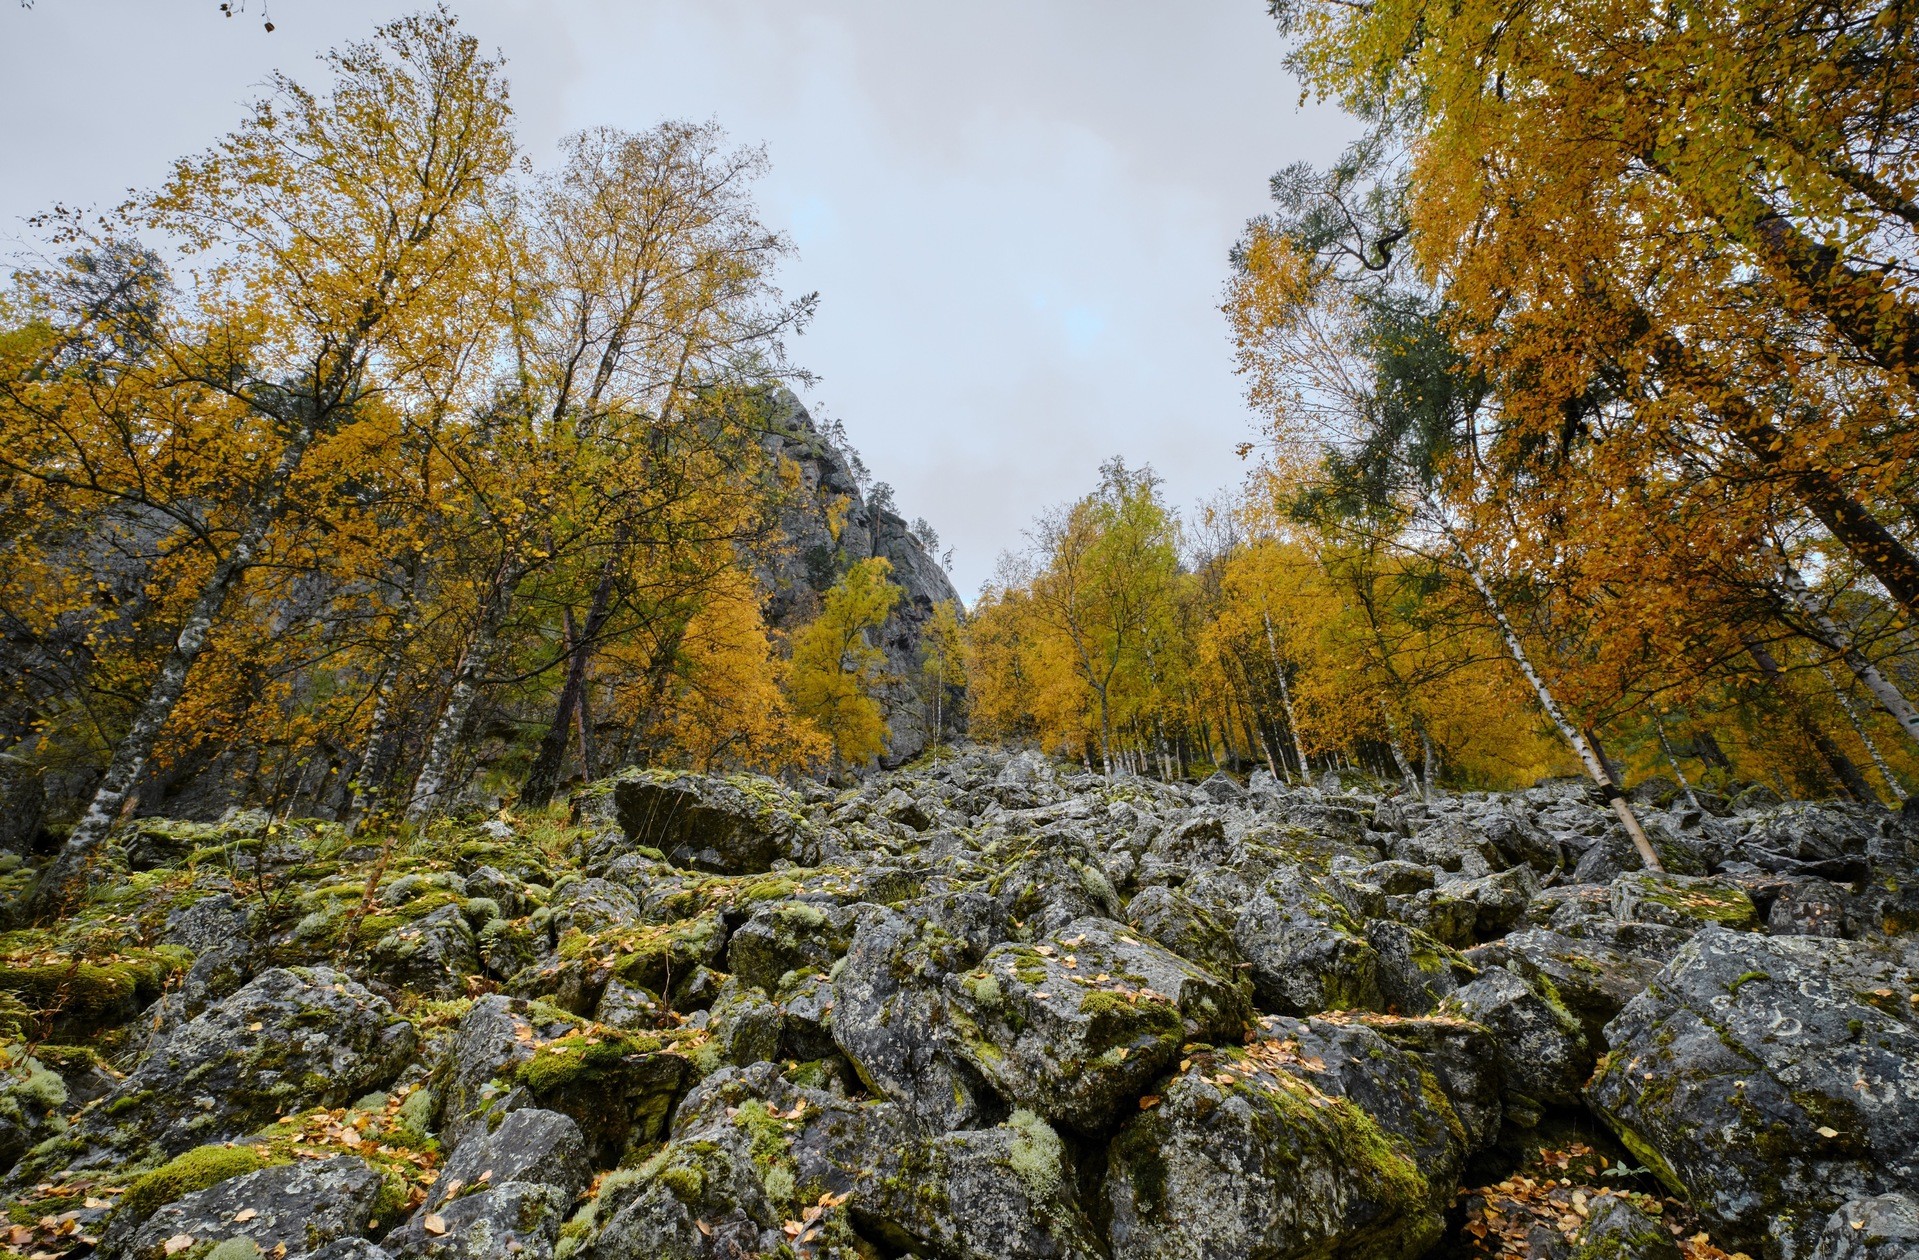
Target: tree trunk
[(436, 769), (1286, 697), (1429, 761), (1850, 780), (1567, 731), (1399, 754), (1865, 736), (543, 777), (1856, 529), (1685, 784), (66, 879), (1833, 636)]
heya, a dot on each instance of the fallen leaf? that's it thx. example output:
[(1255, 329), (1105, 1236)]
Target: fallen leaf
[(177, 1244), (434, 1223), (244, 1215), (1827, 1131)]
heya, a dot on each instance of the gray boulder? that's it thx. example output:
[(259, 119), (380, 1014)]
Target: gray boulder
[(520, 1219), (531, 1145), (1243, 1155), (1616, 1228), (431, 956), (736, 825), (1076, 1027), (293, 1038), (1770, 1079), (889, 1020), (1590, 979), (1884, 1227), (1306, 949), (1544, 1056), (301, 1206)]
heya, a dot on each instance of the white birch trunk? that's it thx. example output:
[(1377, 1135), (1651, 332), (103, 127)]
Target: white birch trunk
[(1567, 731), (1865, 736), (1835, 637), (1685, 784), (67, 877), (436, 768), (1399, 754), (1286, 698)]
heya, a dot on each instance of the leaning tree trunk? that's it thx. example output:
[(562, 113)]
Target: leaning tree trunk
[(1685, 784), (436, 769), (1399, 754), (1843, 769), (1830, 632), (543, 778), (67, 877), (1865, 736), (1567, 731)]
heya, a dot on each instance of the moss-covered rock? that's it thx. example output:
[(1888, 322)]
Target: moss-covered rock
[(1242, 1157), (1770, 1079)]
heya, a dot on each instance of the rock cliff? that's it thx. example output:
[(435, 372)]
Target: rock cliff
[(830, 523)]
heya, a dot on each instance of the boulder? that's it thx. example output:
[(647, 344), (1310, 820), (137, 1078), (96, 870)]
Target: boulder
[(733, 825), (1884, 1227), (300, 1207), (31, 1097), (1544, 1057), (1076, 1027), (788, 936), (519, 1219), (1616, 1228), (1243, 1155), (1684, 901), (531, 1145), (507, 1054), (1771, 1079), (1306, 950), (748, 1152), (1591, 980), (431, 956), (293, 1038), (889, 1020), (1416, 973)]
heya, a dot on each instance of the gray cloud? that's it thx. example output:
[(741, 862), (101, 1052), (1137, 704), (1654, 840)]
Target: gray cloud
[(1017, 211)]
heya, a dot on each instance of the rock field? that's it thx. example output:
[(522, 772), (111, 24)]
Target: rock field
[(989, 1008)]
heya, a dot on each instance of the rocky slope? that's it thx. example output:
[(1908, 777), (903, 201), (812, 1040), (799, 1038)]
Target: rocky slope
[(986, 1009)]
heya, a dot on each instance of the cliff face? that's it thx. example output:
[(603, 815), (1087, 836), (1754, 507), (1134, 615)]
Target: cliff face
[(829, 524)]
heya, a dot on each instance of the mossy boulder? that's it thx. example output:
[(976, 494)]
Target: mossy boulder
[(1770, 1080), (1077, 1026), (184, 1174), (508, 1053), (1306, 948), (290, 1039), (79, 994), (889, 1018), (788, 936), (1687, 901), (749, 1151), (31, 1097), (1544, 1057), (731, 825), (289, 1210), (1237, 1155)]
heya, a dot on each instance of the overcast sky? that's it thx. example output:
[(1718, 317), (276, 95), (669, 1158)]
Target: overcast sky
[(1016, 212)]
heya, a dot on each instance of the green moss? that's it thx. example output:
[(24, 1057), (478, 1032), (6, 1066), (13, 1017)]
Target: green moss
[(1745, 979), (185, 1174), (580, 1058)]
